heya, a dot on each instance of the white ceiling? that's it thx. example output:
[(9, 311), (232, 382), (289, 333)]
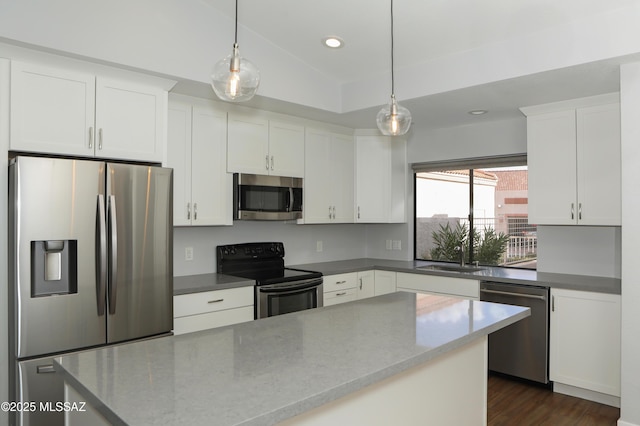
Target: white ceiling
[(425, 30)]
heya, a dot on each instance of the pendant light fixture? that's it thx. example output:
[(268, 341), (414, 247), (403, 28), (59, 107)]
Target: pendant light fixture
[(234, 78), (393, 119)]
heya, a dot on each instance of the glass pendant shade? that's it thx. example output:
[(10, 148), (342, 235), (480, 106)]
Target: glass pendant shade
[(393, 119), (234, 78)]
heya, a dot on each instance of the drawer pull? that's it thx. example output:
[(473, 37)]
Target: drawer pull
[(216, 301), (341, 282), (341, 294)]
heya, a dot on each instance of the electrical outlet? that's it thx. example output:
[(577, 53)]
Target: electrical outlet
[(396, 245), (388, 245), (318, 246), (188, 253)]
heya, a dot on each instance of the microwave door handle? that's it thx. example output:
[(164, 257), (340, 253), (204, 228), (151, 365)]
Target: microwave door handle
[(289, 206)]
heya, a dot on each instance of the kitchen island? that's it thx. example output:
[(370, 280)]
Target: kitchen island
[(365, 362)]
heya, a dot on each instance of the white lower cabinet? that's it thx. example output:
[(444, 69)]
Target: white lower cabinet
[(448, 286), (366, 284), (339, 288), (211, 309), (385, 282), (584, 341), (357, 285)]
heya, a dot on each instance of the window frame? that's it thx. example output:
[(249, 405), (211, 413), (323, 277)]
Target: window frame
[(461, 164)]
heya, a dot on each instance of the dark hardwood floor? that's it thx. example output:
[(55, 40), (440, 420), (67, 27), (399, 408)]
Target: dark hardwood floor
[(511, 402)]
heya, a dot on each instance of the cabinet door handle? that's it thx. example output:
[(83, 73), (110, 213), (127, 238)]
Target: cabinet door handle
[(329, 212), (572, 212), (334, 212), (272, 162), (91, 137), (188, 211), (358, 212), (341, 282), (216, 301), (579, 211), (341, 294), (360, 283), (195, 211), (100, 138), (553, 303), (266, 159)]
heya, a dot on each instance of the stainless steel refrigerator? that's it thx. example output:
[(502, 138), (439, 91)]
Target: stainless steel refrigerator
[(91, 264)]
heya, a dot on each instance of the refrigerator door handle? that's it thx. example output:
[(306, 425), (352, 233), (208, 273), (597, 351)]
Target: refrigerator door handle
[(101, 256), (113, 235)]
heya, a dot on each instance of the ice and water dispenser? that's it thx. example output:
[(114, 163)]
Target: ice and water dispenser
[(54, 267)]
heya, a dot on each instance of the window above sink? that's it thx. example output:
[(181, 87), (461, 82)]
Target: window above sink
[(479, 203)]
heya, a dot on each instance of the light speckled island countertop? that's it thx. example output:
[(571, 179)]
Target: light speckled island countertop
[(263, 372)]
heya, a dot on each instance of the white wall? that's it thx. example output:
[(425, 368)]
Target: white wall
[(345, 241), (479, 140), (630, 127), (181, 39), (580, 250), (4, 278)]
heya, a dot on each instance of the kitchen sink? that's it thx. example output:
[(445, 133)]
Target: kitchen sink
[(451, 268)]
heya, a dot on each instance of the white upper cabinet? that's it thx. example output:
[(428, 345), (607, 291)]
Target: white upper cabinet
[(52, 110), (130, 120), (61, 111), (286, 149), (381, 173), (260, 146), (197, 137), (574, 162), (599, 165), (247, 144), (329, 177)]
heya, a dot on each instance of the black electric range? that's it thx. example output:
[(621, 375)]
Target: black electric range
[(279, 290)]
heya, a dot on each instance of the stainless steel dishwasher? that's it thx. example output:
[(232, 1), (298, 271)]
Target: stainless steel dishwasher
[(521, 349)]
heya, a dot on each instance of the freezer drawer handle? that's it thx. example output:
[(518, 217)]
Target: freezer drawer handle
[(43, 369), (101, 253), (216, 301), (508, 293), (113, 233)]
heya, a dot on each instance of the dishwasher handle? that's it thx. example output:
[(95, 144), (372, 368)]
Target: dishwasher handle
[(509, 293)]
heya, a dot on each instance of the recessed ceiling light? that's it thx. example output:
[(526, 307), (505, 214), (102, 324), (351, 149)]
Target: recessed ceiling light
[(478, 112), (333, 42)]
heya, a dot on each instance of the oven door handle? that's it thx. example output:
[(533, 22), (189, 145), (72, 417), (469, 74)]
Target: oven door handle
[(289, 287)]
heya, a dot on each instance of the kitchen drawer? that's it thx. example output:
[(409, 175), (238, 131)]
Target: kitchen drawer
[(212, 301), (436, 284), (339, 296), (209, 320), (339, 282)]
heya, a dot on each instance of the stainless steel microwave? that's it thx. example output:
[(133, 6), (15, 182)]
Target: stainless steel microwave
[(259, 197)]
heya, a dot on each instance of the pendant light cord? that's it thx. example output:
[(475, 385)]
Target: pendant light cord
[(392, 79), (235, 40)]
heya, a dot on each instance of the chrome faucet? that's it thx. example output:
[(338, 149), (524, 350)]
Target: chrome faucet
[(461, 249)]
